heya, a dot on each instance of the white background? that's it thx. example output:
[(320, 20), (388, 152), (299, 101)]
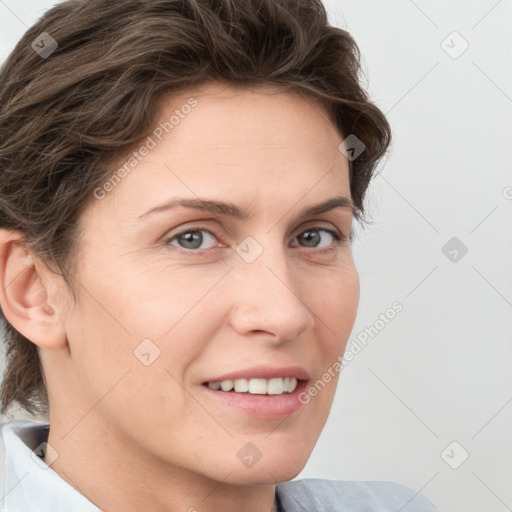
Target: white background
[(440, 371)]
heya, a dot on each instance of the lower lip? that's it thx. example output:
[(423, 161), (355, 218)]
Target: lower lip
[(269, 407)]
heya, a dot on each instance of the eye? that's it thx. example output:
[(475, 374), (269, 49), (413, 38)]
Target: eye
[(313, 238), (191, 239)]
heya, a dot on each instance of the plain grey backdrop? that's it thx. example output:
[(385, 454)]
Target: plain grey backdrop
[(426, 400)]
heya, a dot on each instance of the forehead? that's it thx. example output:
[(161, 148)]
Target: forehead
[(238, 117), (223, 140)]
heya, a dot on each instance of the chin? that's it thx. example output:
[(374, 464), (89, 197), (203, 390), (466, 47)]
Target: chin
[(263, 476), (281, 467)]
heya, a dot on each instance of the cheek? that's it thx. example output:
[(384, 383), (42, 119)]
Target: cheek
[(335, 311), (335, 308)]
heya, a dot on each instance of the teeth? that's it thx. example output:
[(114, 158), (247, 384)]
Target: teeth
[(241, 385), (275, 386), (292, 384), (227, 385), (258, 386)]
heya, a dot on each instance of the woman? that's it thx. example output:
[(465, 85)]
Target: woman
[(179, 180)]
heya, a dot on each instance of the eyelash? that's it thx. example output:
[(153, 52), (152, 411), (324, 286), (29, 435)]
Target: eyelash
[(338, 237)]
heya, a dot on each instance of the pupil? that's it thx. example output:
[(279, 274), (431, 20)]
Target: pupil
[(195, 238), (311, 235)]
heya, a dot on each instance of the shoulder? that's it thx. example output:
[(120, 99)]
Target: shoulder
[(357, 496)]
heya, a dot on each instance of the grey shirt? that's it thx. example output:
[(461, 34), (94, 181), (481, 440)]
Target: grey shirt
[(32, 486)]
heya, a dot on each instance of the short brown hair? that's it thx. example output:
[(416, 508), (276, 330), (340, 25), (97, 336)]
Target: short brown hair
[(65, 118)]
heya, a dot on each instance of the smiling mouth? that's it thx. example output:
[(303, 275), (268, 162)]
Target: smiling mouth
[(274, 386)]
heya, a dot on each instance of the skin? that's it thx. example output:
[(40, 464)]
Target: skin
[(150, 431)]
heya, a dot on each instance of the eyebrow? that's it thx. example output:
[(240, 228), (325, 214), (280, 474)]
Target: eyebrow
[(232, 210)]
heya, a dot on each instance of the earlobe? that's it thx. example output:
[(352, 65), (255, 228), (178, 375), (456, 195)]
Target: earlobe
[(23, 296)]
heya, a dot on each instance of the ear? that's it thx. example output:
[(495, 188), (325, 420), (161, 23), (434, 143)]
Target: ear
[(23, 294)]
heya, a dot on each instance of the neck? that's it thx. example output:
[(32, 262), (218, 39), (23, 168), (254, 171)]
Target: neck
[(115, 474)]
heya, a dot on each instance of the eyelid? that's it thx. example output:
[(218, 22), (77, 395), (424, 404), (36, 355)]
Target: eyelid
[(314, 223), (317, 224)]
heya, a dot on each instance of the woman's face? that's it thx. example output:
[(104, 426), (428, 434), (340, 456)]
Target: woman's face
[(173, 298)]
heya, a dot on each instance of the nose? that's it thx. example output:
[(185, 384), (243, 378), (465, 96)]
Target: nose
[(270, 298)]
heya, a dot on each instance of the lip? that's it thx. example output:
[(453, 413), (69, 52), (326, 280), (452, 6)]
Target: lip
[(263, 372), (265, 407)]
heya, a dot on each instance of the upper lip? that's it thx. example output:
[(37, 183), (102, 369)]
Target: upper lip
[(264, 372)]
